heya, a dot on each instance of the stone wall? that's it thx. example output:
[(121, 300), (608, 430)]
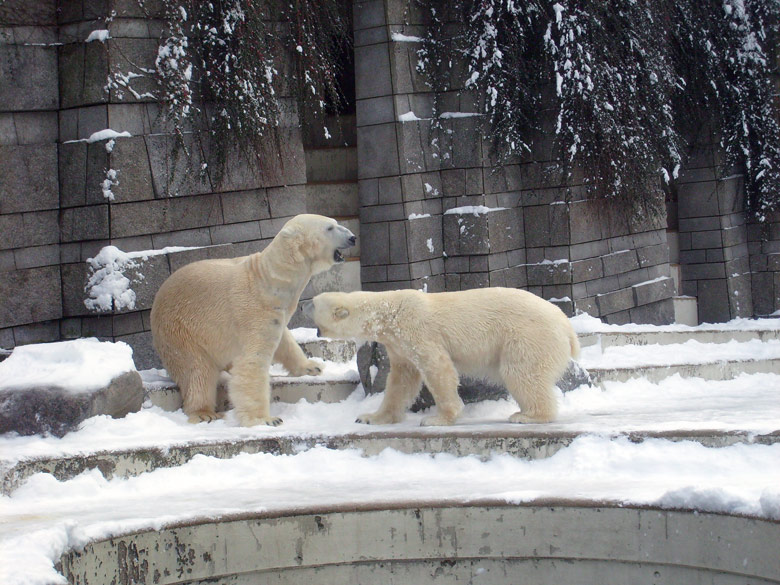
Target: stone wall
[(55, 212), (446, 217)]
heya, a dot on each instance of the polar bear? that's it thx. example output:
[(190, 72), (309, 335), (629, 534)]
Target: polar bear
[(503, 335), (231, 314)]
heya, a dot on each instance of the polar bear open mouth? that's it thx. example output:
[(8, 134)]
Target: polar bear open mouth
[(338, 256)]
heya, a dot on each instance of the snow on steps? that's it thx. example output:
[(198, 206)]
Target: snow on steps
[(711, 354)]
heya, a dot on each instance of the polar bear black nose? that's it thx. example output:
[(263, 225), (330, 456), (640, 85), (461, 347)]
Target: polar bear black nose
[(352, 240)]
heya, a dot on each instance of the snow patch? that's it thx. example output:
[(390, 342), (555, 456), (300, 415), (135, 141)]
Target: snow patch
[(98, 35), (475, 210), (79, 365)]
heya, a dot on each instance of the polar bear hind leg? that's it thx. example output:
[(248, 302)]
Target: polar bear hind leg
[(530, 382), (249, 390), (198, 386)]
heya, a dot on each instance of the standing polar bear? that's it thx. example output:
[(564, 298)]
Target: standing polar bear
[(232, 314), (503, 335)]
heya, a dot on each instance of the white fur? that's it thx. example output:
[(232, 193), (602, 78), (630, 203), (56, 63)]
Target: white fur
[(232, 314), (503, 335)]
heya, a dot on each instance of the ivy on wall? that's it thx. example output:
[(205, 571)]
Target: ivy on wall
[(221, 64), (629, 81)]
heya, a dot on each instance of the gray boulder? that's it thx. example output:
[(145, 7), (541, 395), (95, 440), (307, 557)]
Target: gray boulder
[(57, 411), (374, 366)]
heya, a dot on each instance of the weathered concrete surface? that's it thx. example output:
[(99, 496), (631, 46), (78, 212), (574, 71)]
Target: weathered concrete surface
[(516, 441), (551, 541), (57, 411)]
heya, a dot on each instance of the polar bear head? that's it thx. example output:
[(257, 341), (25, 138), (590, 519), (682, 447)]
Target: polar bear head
[(337, 315), (315, 239)]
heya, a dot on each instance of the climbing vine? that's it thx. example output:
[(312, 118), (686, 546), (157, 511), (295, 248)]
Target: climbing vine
[(222, 65), (629, 82)]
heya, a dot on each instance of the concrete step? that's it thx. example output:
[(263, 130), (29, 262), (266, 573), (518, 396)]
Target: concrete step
[(331, 164), (334, 199), (720, 370), (516, 441), (663, 336)]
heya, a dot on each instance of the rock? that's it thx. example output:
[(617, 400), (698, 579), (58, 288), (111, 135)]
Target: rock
[(374, 366), (574, 376), (57, 411)]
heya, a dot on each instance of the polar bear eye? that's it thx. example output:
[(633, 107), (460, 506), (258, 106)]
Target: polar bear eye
[(330, 229)]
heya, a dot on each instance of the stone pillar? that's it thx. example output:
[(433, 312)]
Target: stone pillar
[(30, 288), (713, 234)]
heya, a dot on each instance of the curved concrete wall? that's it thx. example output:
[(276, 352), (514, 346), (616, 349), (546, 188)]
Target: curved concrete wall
[(481, 543)]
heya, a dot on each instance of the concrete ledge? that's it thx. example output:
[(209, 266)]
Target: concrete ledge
[(516, 441), (550, 541), (722, 370)]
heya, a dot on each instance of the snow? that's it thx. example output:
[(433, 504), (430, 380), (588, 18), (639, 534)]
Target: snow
[(408, 117), (79, 365), (475, 210), (44, 517), (107, 285), (98, 35), (402, 38), (413, 216)]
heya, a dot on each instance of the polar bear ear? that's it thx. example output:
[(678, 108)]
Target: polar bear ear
[(341, 313)]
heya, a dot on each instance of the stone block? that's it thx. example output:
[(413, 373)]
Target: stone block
[(27, 128), (287, 201), (28, 178), (30, 80), (548, 274), (243, 206), (740, 296), (57, 411), (165, 215), (713, 301), (588, 269), (537, 219), (368, 14), (708, 239), (763, 294), (619, 318), (72, 174), (704, 271), (615, 301), (35, 228), (413, 147), (697, 200), (130, 159), (84, 223), (368, 192), (734, 236), (453, 182), (653, 255), (466, 234), (188, 238), (375, 244), (131, 55), (30, 296), (399, 251), (505, 230), (389, 190), (424, 238), (235, 232), (377, 152), (378, 110), (653, 291), (372, 71), (83, 69), (382, 213), (474, 280), (618, 262), (176, 172), (37, 256)]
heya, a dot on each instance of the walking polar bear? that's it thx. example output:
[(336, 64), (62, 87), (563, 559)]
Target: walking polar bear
[(232, 314), (507, 336)]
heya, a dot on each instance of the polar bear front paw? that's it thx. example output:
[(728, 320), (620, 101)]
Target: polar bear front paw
[(308, 368), (436, 421), (200, 416), (378, 418), (271, 421)]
